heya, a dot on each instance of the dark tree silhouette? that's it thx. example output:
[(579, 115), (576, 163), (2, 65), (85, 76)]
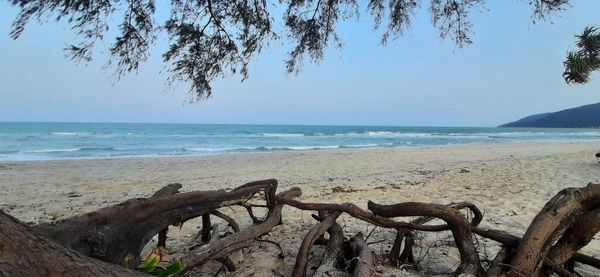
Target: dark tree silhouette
[(212, 38), (581, 63)]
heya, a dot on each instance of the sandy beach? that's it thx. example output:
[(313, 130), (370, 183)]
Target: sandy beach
[(510, 182)]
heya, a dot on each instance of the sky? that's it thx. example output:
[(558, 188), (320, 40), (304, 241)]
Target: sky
[(512, 70)]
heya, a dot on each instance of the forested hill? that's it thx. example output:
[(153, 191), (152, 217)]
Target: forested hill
[(587, 116)]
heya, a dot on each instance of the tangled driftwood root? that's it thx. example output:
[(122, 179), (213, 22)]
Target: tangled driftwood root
[(98, 243)]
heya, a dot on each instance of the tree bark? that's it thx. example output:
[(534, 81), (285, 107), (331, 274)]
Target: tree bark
[(309, 241), (575, 237), (498, 265), (234, 225), (119, 232), (24, 253), (169, 189), (206, 227), (403, 235), (363, 215), (226, 245), (549, 224), (512, 241), (407, 252), (459, 225), (364, 266)]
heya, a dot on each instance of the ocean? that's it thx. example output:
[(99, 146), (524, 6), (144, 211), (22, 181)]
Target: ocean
[(51, 141)]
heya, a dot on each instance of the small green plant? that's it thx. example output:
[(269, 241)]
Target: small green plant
[(150, 266)]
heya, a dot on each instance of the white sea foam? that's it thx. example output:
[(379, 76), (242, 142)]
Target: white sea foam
[(375, 134), (211, 149), (187, 135), (398, 134), (71, 134), (32, 151), (362, 145), (312, 147), (282, 135)]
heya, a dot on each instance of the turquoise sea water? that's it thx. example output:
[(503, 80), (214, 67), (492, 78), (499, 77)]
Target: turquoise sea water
[(47, 141)]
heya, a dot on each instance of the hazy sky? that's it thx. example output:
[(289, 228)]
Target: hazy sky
[(513, 69)]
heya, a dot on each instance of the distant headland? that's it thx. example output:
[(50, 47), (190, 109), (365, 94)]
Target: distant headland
[(587, 116)]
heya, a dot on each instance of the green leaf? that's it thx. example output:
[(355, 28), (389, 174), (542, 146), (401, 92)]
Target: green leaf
[(171, 270), (150, 264)]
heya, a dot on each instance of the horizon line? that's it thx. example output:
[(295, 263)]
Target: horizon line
[(257, 124)]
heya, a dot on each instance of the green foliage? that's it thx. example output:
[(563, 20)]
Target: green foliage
[(150, 266), (171, 270), (580, 64), (209, 39)]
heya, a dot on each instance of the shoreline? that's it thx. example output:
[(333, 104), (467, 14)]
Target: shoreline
[(509, 182), (139, 176), (316, 149)]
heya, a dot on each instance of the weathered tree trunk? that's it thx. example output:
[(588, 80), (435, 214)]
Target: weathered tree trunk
[(363, 215), (459, 225), (512, 241), (169, 189), (405, 235), (234, 225), (365, 264), (575, 238), (206, 227), (549, 224), (25, 253), (407, 252), (334, 249), (225, 260), (241, 239), (308, 241), (498, 265), (119, 232)]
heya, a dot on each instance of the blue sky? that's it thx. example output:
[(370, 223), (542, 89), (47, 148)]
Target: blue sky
[(512, 70)]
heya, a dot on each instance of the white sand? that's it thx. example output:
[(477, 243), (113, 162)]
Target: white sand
[(509, 182)]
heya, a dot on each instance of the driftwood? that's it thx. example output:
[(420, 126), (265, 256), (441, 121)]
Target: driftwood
[(83, 244), (169, 189), (458, 223), (551, 222), (361, 214), (498, 265), (240, 239), (234, 225), (334, 248), (206, 227), (309, 241), (25, 253), (512, 241), (578, 235), (364, 265), (462, 230), (405, 235), (118, 233)]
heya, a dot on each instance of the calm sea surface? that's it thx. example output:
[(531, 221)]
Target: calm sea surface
[(48, 141)]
